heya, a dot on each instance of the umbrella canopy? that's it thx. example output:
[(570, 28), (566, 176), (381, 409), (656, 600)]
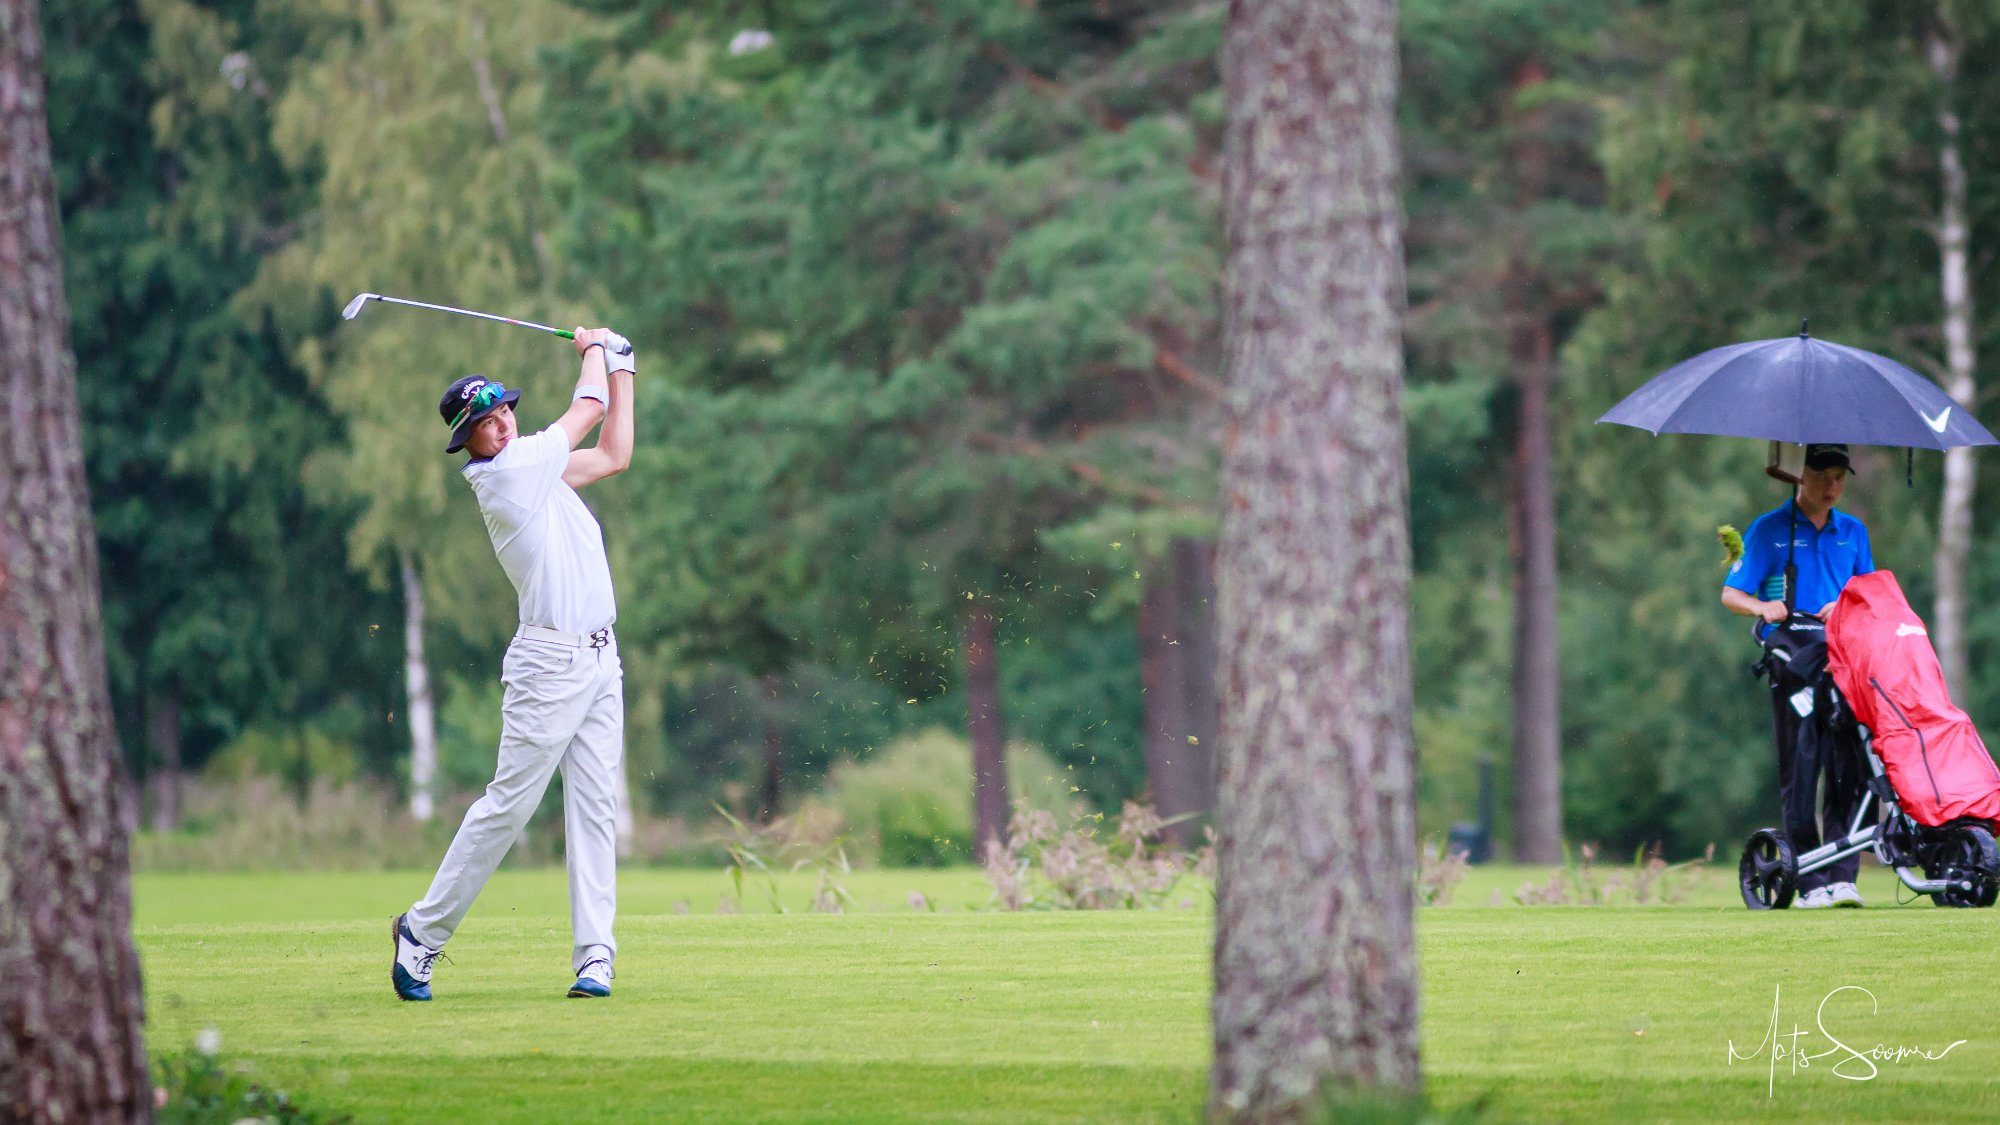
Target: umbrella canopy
[(1798, 389)]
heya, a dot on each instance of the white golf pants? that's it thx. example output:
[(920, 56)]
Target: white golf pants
[(563, 708)]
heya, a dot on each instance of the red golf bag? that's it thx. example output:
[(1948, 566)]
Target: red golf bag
[(1880, 656)]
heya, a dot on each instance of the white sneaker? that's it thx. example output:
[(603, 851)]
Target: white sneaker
[(1816, 899), (593, 980), (1844, 894)]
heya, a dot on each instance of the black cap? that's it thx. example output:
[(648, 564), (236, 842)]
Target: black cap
[(1833, 456), (461, 413)]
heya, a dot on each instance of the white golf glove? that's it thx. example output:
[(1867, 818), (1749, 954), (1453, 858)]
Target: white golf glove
[(618, 355)]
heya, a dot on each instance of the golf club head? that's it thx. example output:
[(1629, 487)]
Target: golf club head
[(353, 308)]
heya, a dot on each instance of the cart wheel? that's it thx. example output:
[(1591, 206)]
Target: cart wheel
[(1968, 852), (1769, 872)]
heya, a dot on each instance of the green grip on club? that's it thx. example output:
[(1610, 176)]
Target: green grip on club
[(566, 335)]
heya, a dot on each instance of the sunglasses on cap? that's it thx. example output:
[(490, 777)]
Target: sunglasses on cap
[(479, 398)]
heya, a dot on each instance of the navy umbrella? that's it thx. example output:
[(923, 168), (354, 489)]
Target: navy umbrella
[(1800, 390)]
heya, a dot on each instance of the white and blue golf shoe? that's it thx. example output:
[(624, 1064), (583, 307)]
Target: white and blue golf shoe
[(593, 980), (411, 970)]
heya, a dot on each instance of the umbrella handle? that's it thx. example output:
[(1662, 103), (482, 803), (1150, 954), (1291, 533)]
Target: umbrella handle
[(1776, 470)]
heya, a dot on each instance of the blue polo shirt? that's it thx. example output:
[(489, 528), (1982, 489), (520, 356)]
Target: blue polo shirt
[(1826, 557)]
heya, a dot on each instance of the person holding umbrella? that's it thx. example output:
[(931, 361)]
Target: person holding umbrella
[(1822, 548), (1822, 395)]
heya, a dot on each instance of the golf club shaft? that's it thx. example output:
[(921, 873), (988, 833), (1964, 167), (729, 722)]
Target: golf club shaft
[(483, 316)]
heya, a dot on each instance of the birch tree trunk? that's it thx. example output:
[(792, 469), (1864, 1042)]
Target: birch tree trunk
[(1955, 509), (423, 711), (1315, 964), (987, 728), (71, 1043)]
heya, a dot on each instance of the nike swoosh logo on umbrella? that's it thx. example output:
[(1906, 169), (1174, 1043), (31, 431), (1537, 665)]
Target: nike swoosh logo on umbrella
[(1937, 424)]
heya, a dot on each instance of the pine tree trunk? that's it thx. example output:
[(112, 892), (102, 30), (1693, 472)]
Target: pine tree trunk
[(1955, 508), (1315, 963), (1194, 567), (988, 732), (423, 712), (163, 734), (71, 1043), (1163, 681), (771, 790), (1537, 727)]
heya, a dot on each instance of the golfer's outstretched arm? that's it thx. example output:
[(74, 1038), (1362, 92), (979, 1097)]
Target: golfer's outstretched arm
[(585, 413), (613, 452)]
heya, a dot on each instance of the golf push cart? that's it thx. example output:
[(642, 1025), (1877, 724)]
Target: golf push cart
[(1930, 793)]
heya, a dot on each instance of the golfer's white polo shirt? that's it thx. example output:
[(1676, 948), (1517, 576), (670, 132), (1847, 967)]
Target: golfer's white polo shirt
[(547, 540)]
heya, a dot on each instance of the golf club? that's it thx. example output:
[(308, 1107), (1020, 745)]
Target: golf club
[(353, 310)]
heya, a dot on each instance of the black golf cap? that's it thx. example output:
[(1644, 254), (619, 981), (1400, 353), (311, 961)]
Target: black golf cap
[(468, 400), (1828, 457)]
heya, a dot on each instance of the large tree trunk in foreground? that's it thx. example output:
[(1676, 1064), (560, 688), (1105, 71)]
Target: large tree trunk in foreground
[(1315, 965), (1537, 726), (423, 710), (1954, 543), (71, 1048), (988, 731)]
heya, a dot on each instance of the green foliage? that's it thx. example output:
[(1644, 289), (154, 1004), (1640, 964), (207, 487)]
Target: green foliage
[(908, 805), (284, 752), (850, 462), (216, 592), (195, 1088)]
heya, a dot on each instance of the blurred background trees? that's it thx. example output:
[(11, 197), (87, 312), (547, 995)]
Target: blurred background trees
[(928, 308)]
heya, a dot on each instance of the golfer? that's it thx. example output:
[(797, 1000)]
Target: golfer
[(564, 701), (1828, 547)]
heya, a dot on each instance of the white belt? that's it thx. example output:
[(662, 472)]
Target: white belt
[(598, 639)]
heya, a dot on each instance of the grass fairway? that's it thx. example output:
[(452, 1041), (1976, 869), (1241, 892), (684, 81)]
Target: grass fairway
[(898, 1014)]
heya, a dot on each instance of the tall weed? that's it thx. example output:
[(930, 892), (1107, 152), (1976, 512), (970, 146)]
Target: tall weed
[(1042, 866), (1648, 881)]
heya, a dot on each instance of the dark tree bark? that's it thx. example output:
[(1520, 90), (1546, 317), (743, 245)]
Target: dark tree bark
[(163, 735), (1163, 679), (988, 731), (771, 790), (1194, 570), (1531, 350), (1537, 722), (1315, 964), (71, 1047)]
